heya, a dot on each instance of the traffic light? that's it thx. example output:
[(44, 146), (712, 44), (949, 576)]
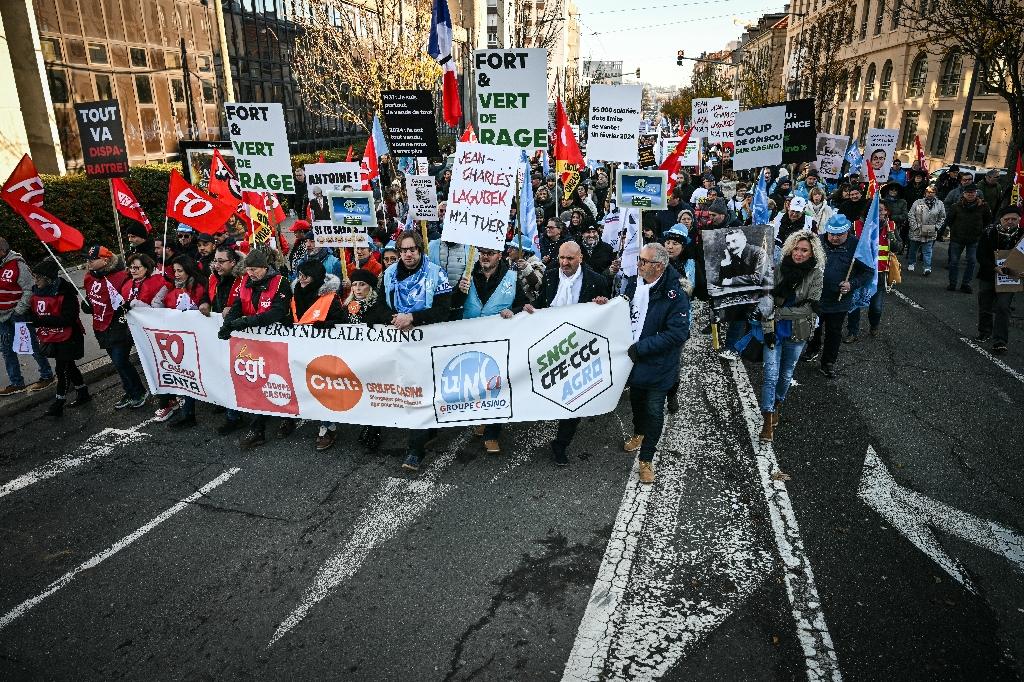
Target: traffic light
[(638, 72), (679, 57)]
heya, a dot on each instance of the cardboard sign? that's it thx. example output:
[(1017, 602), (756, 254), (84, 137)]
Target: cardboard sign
[(351, 214), (422, 193), (830, 152), (511, 98), (409, 117), (881, 144), (642, 188), (102, 136), (322, 180), (700, 114), (480, 198), (759, 137), (260, 143), (722, 120), (614, 122), (801, 132), (1005, 283)]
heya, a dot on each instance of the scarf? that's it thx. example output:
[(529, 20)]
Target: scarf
[(410, 293), (792, 274), (565, 285), (638, 311), (357, 307), (929, 202)]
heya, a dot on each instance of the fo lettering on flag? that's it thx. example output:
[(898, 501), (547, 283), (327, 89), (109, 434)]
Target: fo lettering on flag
[(196, 208), (24, 193)]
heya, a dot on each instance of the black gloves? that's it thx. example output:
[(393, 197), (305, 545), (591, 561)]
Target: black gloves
[(769, 339), (225, 332), (631, 352)]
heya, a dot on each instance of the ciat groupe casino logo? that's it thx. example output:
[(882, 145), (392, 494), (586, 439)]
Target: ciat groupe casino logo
[(261, 377), (333, 383), (177, 361)]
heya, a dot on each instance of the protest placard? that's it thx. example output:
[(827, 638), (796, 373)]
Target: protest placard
[(422, 165), (422, 193), (102, 138), (881, 144), (645, 155), (409, 117), (759, 137), (830, 152), (481, 193), (260, 143), (614, 122), (323, 179), (1006, 283), (511, 97), (641, 188), (801, 132), (738, 262), (700, 114), (722, 120), (352, 213)]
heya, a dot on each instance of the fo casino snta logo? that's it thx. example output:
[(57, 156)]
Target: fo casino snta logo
[(570, 366), (471, 381)]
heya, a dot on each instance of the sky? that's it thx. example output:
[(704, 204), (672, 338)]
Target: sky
[(660, 28)]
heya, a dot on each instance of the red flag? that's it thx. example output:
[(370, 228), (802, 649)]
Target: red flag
[(568, 160), (196, 208), (872, 182), (273, 205), (348, 157), (224, 186), (24, 185), (369, 163), (50, 229), (920, 154), (126, 203), (1017, 191), (258, 230), (469, 135), (673, 160), (320, 157)]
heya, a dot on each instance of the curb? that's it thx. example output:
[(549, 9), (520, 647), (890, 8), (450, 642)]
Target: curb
[(94, 370)]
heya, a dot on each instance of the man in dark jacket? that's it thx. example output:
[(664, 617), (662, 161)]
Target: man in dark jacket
[(597, 255), (571, 282), (140, 241), (856, 206), (966, 219), (660, 318), (226, 272), (994, 307)]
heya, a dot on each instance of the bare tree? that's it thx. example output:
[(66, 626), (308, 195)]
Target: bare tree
[(537, 24), (815, 70), (990, 32), (346, 54), (758, 82)]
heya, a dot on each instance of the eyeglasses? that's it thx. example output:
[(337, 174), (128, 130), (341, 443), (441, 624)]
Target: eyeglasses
[(221, 260), (485, 252), (644, 261), (408, 249)]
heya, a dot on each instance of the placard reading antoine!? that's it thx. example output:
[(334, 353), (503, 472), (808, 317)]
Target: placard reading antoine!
[(102, 136), (409, 117)]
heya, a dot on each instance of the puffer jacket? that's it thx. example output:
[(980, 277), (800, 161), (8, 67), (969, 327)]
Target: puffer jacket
[(925, 222), (837, 263)]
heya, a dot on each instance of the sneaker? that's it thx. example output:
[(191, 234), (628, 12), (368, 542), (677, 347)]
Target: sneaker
[(558, 455), (811, 356), (910, 268), (729, 355), (999, 348), (165, 413), (41, 384), (13, 390), (229, 426), (82, 396), (492, 447), (478, 431), (412, 462), (673, 403), (286, 427), (633, 444), (927, 271), (140, 401), (826, 370), (252, 439), (123, 402), (182, 421), (646, 472), (325, 441), (966, 288)]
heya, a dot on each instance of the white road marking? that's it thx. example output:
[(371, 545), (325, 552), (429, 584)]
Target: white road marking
[(906, 299), (812, 631), (127, 540), (659, 591), (996, 361), (98, 445), (916, 517)]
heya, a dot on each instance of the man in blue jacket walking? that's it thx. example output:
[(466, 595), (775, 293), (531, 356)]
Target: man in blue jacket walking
[(659, 314), (839, 243)]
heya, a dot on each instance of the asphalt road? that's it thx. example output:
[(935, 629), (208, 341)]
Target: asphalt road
[(741, 562)]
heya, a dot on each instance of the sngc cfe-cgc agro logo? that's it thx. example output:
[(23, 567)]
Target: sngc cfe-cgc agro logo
[(570, 366), (333, 383), (262, 379), (471, 381), (176, 354)]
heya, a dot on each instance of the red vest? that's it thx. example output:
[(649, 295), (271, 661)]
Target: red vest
[(196, 294), (98, 294), (265, 300), (211, 290), (50, 305), (10, 290), (145, 291)]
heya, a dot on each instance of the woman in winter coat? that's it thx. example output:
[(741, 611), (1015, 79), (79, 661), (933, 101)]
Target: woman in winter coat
[(818, 204), (188, 290), (144, 289), (925, 219), (788, 316), (54, 308)]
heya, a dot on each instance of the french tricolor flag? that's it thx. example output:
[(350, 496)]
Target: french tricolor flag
[(440, 48)]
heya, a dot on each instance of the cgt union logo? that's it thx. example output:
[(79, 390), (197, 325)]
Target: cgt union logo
[(177, 361), (570, 366), (261, 377), (470, 381)]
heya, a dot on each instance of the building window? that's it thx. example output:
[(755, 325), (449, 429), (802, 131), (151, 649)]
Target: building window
[(980, 135), (98, 53), (938, 134), (144, 89), (952, 68), (918, 76), (885, 85), (910, 119), (827, 121), (869, 84), (139, 57), (204, 63), (51, 50), (209, 95), (880, 118), (864, 20), (855, 85), (897, 9), (865, 122), (879, 16), (57, 79), (172, 60), (839, 123), (844, 83), (104, 87), (177, 91), (851, 123)]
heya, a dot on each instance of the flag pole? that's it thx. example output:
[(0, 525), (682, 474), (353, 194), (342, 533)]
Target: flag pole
[(117, 217), (66, 274), (163, 255)]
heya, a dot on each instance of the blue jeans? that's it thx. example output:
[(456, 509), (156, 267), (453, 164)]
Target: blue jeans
[(874, 310), (779, 363), (648, 407), (926, 253), (120, 358), (734, 332), (969, 251), (12, 359), (188, 406)]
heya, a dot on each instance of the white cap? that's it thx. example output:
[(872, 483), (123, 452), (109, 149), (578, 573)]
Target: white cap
[(797, 204)]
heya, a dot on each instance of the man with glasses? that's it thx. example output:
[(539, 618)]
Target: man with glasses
[(659, 315), (492, 289), (221, 292), (570, 283)]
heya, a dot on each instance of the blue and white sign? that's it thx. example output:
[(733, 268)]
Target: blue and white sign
[(642, 188), (471, 381), (351, 213)]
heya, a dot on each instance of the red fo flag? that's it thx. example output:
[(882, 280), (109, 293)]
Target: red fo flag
[(126, 203), (920, 154), (673, 160), (469, 135), (196, 208), (24, 185), (369, 163), (568, 160), (24, 193), (224, 186), (348, 157)]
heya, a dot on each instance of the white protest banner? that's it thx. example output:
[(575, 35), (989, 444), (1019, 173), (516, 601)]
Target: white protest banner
[(881, 144), (481, 193), (690, 156), (614, 122), (511, 97), (831, 149), (422, 165), (351, 214), (322, 179), (260, 143), (759, 137), (722, 120), (700, 114), (557, 363), (422, 193), (22, 339)]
